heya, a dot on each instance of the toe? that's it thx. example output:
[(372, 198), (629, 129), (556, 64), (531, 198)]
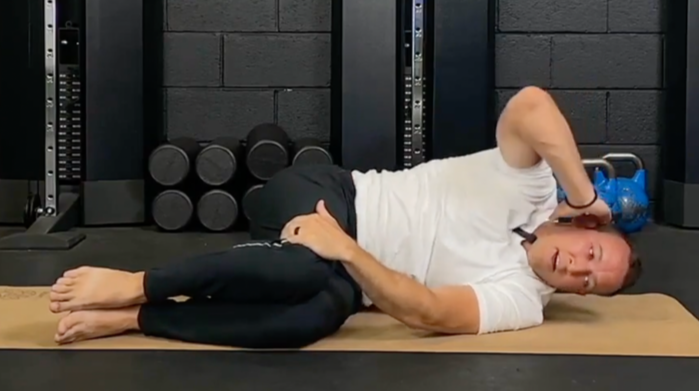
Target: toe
[(65, 281), (64, 324), (76, 272), (72, 328), (70, 336), (67, 327), (62, 286), (55, 307), (55, 296)]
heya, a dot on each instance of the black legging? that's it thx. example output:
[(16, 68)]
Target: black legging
[(262, 294)]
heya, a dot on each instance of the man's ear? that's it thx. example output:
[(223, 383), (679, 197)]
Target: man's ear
[(586, 221)]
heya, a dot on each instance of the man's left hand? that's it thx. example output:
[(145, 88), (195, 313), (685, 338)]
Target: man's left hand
[(598, 214), (321, 233)]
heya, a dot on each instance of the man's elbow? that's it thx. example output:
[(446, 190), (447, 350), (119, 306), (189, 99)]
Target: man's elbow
[(529, 99)]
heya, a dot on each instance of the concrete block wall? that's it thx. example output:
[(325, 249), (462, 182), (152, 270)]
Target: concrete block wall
[(233, 64), (230, 65), (602, 61)]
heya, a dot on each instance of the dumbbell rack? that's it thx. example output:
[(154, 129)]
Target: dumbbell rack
[(49, 224), (414, 16)]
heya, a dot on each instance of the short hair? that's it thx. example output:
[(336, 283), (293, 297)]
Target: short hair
[(635, 270)]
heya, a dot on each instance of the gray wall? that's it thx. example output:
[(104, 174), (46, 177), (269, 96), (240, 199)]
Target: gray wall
[(232, 64), (602, 62)]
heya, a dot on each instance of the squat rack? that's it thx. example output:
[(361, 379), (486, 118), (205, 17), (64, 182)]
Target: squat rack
[(49, 224)]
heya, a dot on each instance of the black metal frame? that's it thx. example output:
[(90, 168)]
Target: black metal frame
[(21, 84), (462, 49), (680, 172), (60, 207), (413, 80), (364, 99), (95, 139)]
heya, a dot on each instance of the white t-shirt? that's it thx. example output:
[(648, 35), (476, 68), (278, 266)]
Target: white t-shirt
[(450, 222)]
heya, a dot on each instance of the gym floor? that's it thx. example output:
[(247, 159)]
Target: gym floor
[(670, 268)]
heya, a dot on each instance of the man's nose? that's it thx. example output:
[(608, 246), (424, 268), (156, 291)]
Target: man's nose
[(578, 266)]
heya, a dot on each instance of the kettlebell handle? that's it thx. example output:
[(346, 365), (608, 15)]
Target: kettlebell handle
[(637, 161), (601, 163)]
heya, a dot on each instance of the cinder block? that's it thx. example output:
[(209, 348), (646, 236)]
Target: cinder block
[(552, 16), (279, 60), (636, 15), (305, 113), (522, 60), (305, 15), (649, 154), (607, 61), (586, 113), (209, 113), (635, 117), (222, 15), (501, 99), (192, 59)]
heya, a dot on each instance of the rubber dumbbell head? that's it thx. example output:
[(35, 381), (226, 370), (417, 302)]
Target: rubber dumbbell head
[(217, 210), (267, 151), (171, 163), (218, 163)]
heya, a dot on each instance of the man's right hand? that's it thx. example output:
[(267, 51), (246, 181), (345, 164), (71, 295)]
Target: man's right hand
[(593, 216)]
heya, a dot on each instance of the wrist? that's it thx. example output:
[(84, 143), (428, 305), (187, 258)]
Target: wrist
[(587, 204), (582, 194), (352, 253), (582, 198)]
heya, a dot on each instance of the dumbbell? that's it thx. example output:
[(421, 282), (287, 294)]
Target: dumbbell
[(631, 196), (267, 151), (172, 210), (217, 210), (217, 164), (248, 200), (309, 151), (170, 164)]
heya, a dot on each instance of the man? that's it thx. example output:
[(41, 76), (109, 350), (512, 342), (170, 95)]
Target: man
[(460, 245)]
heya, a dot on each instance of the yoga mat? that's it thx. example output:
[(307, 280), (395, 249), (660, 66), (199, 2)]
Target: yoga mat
[(638, 325)]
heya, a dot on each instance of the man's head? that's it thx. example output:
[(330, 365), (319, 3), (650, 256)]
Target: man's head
[(584, 261)]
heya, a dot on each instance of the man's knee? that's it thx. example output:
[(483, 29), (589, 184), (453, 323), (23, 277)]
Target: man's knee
[(324, 316)]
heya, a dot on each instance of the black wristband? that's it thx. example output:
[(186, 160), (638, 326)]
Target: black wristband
[(594, 199)]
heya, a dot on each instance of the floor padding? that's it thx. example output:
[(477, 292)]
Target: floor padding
[(574, 325)]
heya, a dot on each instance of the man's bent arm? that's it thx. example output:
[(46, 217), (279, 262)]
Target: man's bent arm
[(531, 128), (452, 310)]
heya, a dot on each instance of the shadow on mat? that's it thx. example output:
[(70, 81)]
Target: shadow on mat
[(38, 334), (558, 311)]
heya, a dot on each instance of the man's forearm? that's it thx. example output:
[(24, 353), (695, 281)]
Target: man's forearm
[(392, 292), (544, 128)]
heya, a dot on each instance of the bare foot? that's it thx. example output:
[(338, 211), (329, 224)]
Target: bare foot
[(91, 324), (87, 288)]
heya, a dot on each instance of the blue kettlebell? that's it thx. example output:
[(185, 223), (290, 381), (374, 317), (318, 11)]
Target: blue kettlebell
[(604, 180), (631, 194)]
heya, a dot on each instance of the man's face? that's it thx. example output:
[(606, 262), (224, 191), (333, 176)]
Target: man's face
[(582, 261)]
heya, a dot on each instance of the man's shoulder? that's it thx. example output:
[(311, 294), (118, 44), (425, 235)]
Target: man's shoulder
[(511, 301), (524, 279)]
